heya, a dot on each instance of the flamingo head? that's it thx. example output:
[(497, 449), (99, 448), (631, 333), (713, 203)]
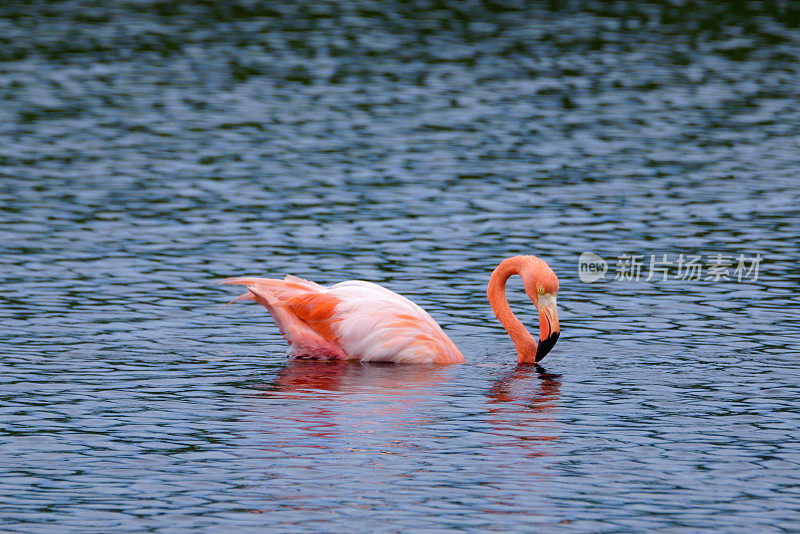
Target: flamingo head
[(541, 285)]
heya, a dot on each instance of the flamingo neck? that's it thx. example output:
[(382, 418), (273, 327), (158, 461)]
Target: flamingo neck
[(523, 340)]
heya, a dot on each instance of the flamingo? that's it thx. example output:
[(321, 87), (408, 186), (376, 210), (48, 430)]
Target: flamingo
[(358, 320)]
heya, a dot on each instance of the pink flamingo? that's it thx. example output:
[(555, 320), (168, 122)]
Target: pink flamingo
[(358, 320)]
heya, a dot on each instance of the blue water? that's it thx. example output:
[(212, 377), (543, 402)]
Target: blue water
[(150, 149)]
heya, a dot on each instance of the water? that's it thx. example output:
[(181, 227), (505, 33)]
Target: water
[(149, 149)]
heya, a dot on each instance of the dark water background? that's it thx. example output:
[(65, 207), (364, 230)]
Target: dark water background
[(148, 149)]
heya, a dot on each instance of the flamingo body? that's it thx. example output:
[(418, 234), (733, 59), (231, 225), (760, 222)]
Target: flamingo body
[(352, 320)]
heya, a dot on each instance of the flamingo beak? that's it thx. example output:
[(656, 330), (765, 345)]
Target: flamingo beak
[(548, 325)]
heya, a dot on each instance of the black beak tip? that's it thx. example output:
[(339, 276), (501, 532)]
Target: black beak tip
[(545, 345)]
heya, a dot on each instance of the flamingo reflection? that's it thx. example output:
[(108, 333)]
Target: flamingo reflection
[(326, 395), (333, 418), (522, 404), (308, 376)]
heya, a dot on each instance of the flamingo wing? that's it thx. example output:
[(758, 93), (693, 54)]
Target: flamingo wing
[(351, 320), (301, 310)]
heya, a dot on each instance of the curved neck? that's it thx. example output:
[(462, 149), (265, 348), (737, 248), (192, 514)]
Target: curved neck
[(523, 340)]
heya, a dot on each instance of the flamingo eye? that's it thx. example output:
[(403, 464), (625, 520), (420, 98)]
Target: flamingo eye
[(540, 289)]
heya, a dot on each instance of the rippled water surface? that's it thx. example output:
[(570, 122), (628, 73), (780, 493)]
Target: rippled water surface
[(148, 149)]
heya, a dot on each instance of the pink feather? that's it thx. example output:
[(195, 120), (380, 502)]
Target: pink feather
[(353, 320)]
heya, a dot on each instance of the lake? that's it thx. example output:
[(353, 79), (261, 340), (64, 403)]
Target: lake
[(149, 149)]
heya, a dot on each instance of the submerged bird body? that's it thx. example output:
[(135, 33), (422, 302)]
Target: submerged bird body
[(362, 321), (352, 320)]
